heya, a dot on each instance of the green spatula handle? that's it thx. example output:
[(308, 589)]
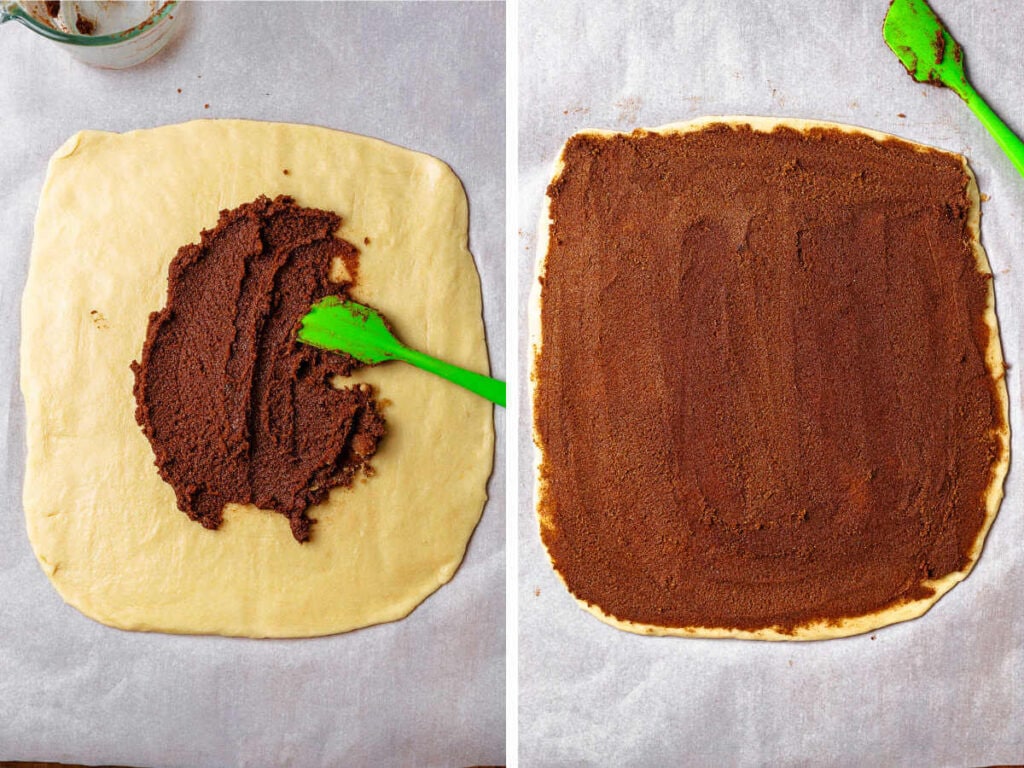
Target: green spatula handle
[(492, 389), (1005, 138)]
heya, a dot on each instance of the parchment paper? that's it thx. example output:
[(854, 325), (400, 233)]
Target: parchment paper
[(944, 690), (428, 690)]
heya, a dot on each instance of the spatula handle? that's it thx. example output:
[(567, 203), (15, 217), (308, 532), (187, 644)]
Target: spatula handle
[(1005, 138), (485, 386)]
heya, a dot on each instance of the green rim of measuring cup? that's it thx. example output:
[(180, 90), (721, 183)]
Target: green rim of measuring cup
[(16, 12)]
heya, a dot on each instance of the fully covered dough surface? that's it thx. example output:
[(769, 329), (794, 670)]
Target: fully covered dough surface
[(651, 559), (104, 526)]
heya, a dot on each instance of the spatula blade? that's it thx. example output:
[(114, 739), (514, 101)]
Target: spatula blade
[(923, 44), (345, 326)]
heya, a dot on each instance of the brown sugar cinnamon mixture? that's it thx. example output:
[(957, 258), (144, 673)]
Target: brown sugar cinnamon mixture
[(235, 409), (762, 395)]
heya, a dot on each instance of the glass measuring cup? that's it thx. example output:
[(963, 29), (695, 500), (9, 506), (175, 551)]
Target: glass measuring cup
[(115, 34)]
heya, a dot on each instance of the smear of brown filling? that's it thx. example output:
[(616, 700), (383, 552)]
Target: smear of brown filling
[(762, 395), (84, 26), (235, 409)]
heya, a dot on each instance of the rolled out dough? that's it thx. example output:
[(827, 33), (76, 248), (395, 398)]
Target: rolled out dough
[(817, 630), (104, 526)]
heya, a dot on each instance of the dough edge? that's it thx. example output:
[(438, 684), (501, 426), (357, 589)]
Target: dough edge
[(816, 630)]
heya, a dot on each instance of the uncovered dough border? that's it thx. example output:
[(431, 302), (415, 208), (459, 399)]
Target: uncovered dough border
[(819, 630)]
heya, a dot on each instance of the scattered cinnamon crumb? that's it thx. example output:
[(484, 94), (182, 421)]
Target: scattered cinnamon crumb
[(285, 171), (206, 106), (366, 241), (536, 592), (179, 90), (98, 319), (900, 114)]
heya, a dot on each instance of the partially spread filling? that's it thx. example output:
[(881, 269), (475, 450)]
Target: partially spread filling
[(236, 410), (762, 394)]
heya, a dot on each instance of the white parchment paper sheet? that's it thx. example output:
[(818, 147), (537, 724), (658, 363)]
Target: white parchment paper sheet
[(428, 690), (945, 690)]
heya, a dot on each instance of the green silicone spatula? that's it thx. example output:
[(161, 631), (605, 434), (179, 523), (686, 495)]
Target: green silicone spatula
[(931, 55), (360, 331)]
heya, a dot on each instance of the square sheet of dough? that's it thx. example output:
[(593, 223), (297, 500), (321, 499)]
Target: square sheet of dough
[(814, 630), (114, 210)]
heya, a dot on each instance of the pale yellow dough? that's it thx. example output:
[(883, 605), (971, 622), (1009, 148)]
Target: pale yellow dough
[(994, 357), (105, 527)]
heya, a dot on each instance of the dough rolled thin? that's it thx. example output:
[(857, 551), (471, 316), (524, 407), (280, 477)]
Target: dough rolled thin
[(104, 526)]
